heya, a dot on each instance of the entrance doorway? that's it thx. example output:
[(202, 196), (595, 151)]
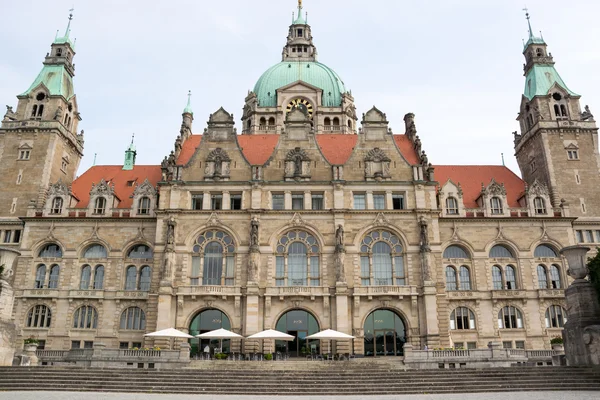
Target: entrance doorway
[(206, 321), (299, 324), (385, 334)]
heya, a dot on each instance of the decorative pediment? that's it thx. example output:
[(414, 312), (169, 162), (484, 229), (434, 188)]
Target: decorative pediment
[(297, 154), (221, 117), (218, 155), (297, 115), (381, 220), (537, 188), (145, 189), (102, 188), (494, 189), (59, 189), (297, 220), (374, 115), (214, 220), (572, 146), (377, 155)]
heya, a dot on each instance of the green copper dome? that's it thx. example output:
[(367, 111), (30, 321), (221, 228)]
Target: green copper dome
[(313, 73)]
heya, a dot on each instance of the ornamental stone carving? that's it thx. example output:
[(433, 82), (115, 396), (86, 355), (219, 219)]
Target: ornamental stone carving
[(59, 189), (377, 165), (537, 188), (102, 189), (494, 189), (297, 165), (145, 189), (217, 165)]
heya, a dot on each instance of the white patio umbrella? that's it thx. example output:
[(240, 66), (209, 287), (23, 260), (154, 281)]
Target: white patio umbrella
[(169, 333), (330, 334), (271, 334), (220, 334)]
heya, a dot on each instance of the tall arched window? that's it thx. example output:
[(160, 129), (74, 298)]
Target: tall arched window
[(385, 334), (336, 121), (144, 206), (500, 251), (297, 260), (99, 278), (140, 251), (455, 252), (263, 122), (133, 319), (40, 276), (327, 121), (511, 278), (213, 261), (462, 318), (542, 277), (510, 317), (57, 205), (497, 277), (504, 278), (85, 317), (54, 275), (271, 121), (382, 260), (86, 277), (465, 278), (555, 317), (145, 278), (39, 316), (50, 250), (95, 251), (100, 205), (451, 282), (451, 206), (544, 251), (555, 277), (131, 278), (496, 206), (539, 205)]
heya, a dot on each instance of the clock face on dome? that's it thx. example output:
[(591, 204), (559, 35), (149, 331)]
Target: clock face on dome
[(301, 104)]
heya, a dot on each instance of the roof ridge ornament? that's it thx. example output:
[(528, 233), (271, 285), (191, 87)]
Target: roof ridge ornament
[(528, 16)]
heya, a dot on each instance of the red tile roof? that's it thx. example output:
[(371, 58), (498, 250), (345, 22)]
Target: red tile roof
[(337, 149), (471, 177), (257, 148), (114, 174), (188, 149), (407, 149)]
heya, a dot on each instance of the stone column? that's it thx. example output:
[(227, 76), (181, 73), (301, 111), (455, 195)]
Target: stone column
[(343, 318), (251, 324), (369, 200), (307, 200), (287, 200), (206, 201), (226, 201)]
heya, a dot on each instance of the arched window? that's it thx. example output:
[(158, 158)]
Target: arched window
[(59, 52), (271, 121), (382, 260), (34, 110), (350, 124), (544, 251), (462, 318), (50, 250), (510, 318), (263, 121), (327, 121), (540, 206), (555, 317), (563, 110), (99, 278), (555, 277), (500, 251), (539, 52), (54, 275), (145, 278), (131, 278), (451, 206), (40, 276), (297, 260), (86, 277), (504, 278), (542, 277), (511, 278), (451, 282), (557, 110), (133, 319), (144, 206), (497, 277), (385, 334), (249, 124), (465, 278), (140, 251), (100, 205), (95, 251), (206, 321), (39, 316), (336, 121), (213, 261), (85, 317), (40, 110), (455, 252), (496, 206), (57, 205)]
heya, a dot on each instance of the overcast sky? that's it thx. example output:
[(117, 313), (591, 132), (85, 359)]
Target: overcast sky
[(457, 64)]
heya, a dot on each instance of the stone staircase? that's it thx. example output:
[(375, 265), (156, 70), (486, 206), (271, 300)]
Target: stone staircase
[(317, 378)]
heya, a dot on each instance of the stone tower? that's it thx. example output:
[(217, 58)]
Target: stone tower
[(39, 144), (558, 143)]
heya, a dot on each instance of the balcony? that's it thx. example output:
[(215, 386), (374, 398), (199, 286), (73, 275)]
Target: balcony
[(399, 291), (332, 128)]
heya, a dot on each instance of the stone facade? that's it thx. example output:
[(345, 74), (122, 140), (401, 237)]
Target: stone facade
[(350, 228)]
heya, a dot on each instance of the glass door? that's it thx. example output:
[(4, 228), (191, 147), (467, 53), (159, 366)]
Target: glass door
[(380, 343)]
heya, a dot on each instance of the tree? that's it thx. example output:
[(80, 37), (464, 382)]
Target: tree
[(594, 267)]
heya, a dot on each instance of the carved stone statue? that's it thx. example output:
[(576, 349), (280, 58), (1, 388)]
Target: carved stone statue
[(587, 114), (339, 237), (340, 270), (424, 241), (171, 231), (167, 268), (418, 145), (10, 115), (297, 166), (254, 239), (58, 114), (424, 159)]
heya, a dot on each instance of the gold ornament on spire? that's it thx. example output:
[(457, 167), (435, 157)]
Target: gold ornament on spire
[(299, 3)]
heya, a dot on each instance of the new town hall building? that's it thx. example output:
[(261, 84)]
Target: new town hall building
[(313, 216)]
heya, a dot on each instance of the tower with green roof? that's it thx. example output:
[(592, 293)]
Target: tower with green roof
[(558, 140), (39, 137), (299, 81)]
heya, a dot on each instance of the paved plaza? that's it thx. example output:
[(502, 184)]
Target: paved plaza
[(141, 396)]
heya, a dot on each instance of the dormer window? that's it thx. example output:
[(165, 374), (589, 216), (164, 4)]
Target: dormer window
[(300, 32), (144, 206), (540, 206), (59, 52), (100, 205), (57, 205), (451, 206), (496, 206), (539, 52)]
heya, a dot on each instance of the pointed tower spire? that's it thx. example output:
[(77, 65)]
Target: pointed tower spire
[(66, 37), (528, 22), (130, 155), (299, 45), (188, 108)]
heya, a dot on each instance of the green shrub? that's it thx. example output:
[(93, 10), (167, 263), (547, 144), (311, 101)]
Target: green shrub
[(31, 341), (594, 267), (268, 357), (556, 340)]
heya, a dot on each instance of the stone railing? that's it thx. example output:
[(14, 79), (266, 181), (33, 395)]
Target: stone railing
[(297, 291), (493, 356), (101, 357), (267, 128), (209, 290), (385, 291)]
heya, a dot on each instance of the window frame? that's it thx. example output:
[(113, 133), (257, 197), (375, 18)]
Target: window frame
[(278, 201), (100, 205), (496, 206), (144, 205), (132, 319), (505, 315), (199, 274), (539, 206), (359, 201), (554, 319), (39, 317), (457, 322), (451, 209), (294, 268), (85, 317), (398, 273)]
